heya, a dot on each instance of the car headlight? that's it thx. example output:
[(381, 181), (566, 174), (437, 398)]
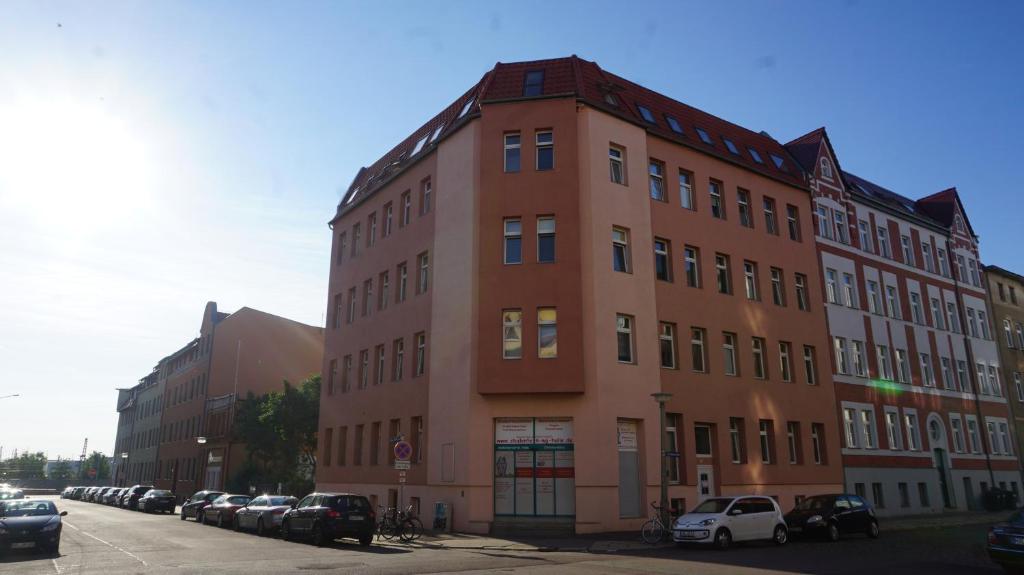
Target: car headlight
[(710, 521), (51, 526), (814, 519)]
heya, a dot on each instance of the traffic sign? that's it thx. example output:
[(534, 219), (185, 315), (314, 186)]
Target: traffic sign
[(402, 464), (403, 451)]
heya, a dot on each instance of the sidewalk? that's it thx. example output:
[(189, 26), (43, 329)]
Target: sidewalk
[(620, 542)]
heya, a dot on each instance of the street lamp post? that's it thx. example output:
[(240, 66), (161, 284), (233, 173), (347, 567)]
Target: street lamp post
[(662, 398)]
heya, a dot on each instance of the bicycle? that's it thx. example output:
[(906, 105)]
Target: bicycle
[(654, 530), (410, 526), (388, 526)]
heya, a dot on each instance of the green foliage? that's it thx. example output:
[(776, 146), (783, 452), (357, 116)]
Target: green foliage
[(96, 461), (61, 470), (279, 431), (24, 466)]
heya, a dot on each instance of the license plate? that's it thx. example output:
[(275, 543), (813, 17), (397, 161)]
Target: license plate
[(795, 529), (24, 545), (356, 517), (1017, 540)]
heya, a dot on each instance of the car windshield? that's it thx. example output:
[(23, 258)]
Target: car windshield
[(280, 500), (239, 499), (158, 493), (142, 489), (820, 503), (28, 508), (715, 505)]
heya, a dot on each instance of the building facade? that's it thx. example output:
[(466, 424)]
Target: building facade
[(1006, 300), (135, 450), (511, 284), (920, 397)]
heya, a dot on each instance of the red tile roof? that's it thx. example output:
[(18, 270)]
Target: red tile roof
[(588, 82)]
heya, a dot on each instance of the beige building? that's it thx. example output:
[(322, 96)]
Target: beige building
[(1006, 300)]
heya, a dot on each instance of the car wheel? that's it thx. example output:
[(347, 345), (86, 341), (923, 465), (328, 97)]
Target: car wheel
[(365, 540), (317, 536), (723, 539), (260, 529), (236, 524), (182, 514), (833, 532), (220, 520), (873, 530), (201, 517), (286, 531), (781, 535)]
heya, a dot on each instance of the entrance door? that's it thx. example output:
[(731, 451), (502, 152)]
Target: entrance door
[(213, 477), (705, 482), (629, 470), (969, 493), (940, 465)]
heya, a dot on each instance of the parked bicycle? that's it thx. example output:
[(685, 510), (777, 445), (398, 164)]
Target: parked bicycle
[(654, 529), (403, 524)]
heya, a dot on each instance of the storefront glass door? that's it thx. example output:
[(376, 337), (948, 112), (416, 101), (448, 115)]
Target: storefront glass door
[(534, 467)]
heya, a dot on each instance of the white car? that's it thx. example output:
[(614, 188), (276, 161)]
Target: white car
[(722, 520)]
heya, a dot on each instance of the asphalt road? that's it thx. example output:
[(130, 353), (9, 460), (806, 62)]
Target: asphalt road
[(103, 540)]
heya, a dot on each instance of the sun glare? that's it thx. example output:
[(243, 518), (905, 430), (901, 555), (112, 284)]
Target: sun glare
[(69, 162)]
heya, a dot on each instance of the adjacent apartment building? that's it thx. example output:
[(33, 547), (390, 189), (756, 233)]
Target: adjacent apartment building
[(921, 399), (174, 426), (511, 284), (1006, 300)]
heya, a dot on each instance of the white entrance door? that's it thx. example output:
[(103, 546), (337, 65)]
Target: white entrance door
[(705, 482)]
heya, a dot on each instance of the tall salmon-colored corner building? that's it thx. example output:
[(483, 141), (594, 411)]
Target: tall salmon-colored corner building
[(511, 284)]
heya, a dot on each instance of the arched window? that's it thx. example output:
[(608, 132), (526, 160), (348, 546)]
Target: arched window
[(826, 169)]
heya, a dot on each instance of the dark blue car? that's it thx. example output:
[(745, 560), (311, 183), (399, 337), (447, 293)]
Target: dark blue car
[(30, 524), (1006, 542)]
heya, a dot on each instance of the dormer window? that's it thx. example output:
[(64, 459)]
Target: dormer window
[(779, 162), (437, 132), (705, 137), (533, 85), (826, 169), (611, 99), (419, 146), (646, 114)]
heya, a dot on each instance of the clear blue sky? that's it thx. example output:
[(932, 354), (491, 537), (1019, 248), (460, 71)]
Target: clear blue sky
[(156, 155)]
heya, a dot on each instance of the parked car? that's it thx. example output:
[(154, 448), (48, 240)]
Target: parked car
[(100, 494), (194, 506), (723, 520), (113, 495), (78, 493), (221, 511), (264, 513), (324, 517), (156, 500), (130, 499), (66, 493), (8, 494), (1006, 542), (833, 516), (30, 523)]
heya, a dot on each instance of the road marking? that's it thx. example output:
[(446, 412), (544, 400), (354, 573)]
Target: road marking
[(111, 545)]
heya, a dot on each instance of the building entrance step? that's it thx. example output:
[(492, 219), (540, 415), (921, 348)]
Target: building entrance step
[(533, 527)]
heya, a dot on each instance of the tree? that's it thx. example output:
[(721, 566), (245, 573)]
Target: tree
[(61, 470), (25, 466), (96, 461)]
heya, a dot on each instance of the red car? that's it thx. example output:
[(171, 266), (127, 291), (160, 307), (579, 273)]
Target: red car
[(222, 511)]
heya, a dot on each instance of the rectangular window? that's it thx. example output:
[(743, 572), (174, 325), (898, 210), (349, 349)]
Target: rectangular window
[(818, 443), (624, 338), (512, 152), (547, 332), (867, 428), (926, 255), (737, 440), (810, 366), (778, 287), (702, 440), (849, 291), (824, 223), (533, 83), (973, 435), (937, 314), (620, 250), (403, 277), (892, 301), (904, 494), (793, 222), (893, 433), (512, 333), (422, 279), (757, 345), (842, 363), (957, 425), (513, 241), (346, 373), (364, 368), (371, 230), (877, 495), (947, 373), (416, 423), (379, 374), (697, 351), (743, 208), (972, 322), (883, 242), (961, 373), (902, 366), (367, 297), (686, 190), (927, 373), (385, 288), (793, 442), (766, 435), (667, 344), (656, 180), (342, 244), (717, 207), (397, 359), (750, 280), (722, 275), (785, 361), (425, 196), (357, 235), (850, 427), (338, 310), (662, 260), (831, 286), (691, 258), (860, 360), (915, 308), (545, 146), (864, 228), (672, 443), (729, 353), (842, 233), (406, 216), (951, 317), (771, 224), (332, 376), (388, 216), (943, 262), (545, 240), (342, 444), (874, 298), (421, 354), (908, 251), (913, 432), (802, 301), (375, 443), (616, 165), (357, 452)]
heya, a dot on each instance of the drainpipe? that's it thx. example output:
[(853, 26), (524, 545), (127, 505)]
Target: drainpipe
[(971, 365)]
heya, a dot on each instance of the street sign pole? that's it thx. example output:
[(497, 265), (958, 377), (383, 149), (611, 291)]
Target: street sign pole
[(403, 452)]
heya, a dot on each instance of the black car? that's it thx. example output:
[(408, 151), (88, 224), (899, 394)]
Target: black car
[(156, 500), (30, 523), (324, 517), (1006, 542), (194, 506), (78, 493), (833, 516), (130, 498)]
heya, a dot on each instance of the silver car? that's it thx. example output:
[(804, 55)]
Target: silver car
[(263, 514)]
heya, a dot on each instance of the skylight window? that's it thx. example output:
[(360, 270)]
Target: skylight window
[(730, 145), (674, 124), (352, 196), (465, 109), (533, 85), (755, 155), (779, 162), (705, 137), (419, 146), (646, 114), (611, 99), (865, 189), (437, 132)]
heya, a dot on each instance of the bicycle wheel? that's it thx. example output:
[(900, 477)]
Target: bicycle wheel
[(409, 531), (388, 528), (415, 528), (652, 532)]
